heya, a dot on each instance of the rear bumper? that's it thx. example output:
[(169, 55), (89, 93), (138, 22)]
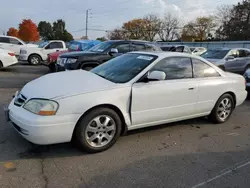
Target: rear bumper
[(241, 97)]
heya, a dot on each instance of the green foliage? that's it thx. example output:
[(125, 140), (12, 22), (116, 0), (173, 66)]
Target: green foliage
[(56, 32)]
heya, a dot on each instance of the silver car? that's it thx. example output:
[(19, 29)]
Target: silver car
[(229, 59)]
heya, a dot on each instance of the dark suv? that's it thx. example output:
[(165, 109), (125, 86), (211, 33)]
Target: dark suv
[(101, 53)]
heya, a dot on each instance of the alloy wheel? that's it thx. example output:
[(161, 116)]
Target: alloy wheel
[(100, 131), (224, 109)]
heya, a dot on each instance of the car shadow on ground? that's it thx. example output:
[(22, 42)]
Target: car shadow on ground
[(32, 151)]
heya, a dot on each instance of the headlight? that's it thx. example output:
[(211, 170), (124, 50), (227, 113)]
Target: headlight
[(23, 52), (71, 60), (42, 107)]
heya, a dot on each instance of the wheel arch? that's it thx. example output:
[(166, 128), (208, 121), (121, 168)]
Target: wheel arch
[(35, 54), (89, 63), (232, 94), (110, 106)]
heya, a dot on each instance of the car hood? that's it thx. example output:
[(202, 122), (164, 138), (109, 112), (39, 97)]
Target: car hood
[(64, 84), (79, 54)]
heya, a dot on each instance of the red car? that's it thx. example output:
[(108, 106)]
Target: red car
[(82, 45)]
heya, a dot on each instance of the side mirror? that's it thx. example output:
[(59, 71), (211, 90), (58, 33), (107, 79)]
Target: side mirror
[(156, 76), (230, 57), (113, 51)]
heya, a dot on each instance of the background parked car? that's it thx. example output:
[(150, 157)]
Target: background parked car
[(247, 77), (13, 44), (198, 50), (81, 45), (35, 55), (239, 63), (101, 53), (219, 56), (180, 48), (7, 58)]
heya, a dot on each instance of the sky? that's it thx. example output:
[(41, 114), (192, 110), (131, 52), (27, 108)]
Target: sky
[(104, 15)]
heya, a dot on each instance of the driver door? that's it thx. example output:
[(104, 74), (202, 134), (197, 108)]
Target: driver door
[(175, 98)]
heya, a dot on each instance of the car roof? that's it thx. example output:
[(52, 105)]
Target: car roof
[(163, 54)]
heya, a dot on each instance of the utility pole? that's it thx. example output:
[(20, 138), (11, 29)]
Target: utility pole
[(87, 20)]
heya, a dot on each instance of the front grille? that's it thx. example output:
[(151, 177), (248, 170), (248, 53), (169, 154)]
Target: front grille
[(20, 100)]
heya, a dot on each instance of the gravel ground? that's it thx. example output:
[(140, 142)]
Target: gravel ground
[(193, 153)]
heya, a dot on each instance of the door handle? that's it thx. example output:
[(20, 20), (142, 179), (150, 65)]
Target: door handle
[(191, 88)]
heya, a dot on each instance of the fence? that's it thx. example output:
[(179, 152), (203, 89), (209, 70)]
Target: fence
[(209, 45)]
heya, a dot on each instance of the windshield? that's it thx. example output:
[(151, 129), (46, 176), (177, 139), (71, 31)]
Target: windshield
[(42, 45), (124, 68), (215, 54), (101, 47)]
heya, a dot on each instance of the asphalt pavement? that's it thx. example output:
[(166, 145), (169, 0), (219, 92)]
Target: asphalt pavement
[(193, 153)]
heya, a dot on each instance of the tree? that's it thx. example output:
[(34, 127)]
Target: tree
[(151, 27), (28, 31), (46, 31), (169, 28), (134, 29), (101, 39), (117, 34), (57, 31), (60, 33), (237, 27), (199, 29), (12, 32)]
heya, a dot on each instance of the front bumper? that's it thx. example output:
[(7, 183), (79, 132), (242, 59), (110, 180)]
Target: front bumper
[(42, 130), (23, 57), (72, 66), (59, 68)]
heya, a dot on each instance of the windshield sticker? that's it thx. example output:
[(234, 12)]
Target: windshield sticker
[(148, 58)]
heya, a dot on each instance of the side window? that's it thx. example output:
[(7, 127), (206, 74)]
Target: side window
[(138, 47), (242, 53), (175, 68), (179, 49), (54, 45), (203, 70), (247, 53), (123, 48), (234, 53), (14, 41), (4, 40)]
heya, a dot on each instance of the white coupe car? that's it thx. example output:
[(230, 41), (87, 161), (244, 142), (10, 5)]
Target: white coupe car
[(132, 91), (7, 58)]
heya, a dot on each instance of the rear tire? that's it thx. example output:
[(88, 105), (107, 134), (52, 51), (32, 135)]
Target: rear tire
[(222, 109), (1, 65), (35, 59), (98, 130)]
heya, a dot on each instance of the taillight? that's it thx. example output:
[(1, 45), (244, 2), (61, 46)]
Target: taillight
[(11, 54)]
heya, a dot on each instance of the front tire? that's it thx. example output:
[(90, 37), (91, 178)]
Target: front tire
[(98, 130), (35, 59), (222, 109)]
